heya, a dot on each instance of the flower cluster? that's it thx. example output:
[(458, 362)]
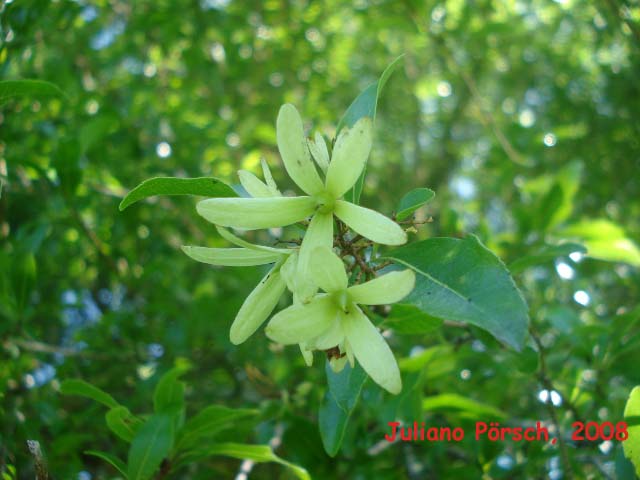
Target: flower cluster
[(330, 320)]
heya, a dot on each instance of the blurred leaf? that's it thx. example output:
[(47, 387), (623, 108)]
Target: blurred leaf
[(169, 392), (410, 320), (151, 445), (27, 88), (67, 165), (23, 277), (339, 402), (210, 421), (604, 240), (123, 423), (114, 461), (466, 407), (632, 417), (462, 280), (544, 254), (203, 186), (256, 453), (412, 201), (365, 105), (85, 389)]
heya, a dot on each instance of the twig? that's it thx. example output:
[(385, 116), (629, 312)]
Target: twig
[(36, 453), (548, 385)]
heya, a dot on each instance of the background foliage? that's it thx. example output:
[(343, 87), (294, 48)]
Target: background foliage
[(521, 116)]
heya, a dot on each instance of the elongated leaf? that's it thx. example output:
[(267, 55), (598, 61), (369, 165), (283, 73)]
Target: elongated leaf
[(338, 405), (209, 422), (410, 320), (365, 105), (151, 445), (203, 186), (123, 423), (169, 392), (466, 407), (27, 88), (84, 389), (413, 200), (545, 254), (604, 240), (631, 445), (114, 461), (462, 280), (257, 453)]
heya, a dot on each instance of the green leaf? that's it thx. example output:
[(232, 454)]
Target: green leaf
[(338, 405), (168, 395), (604, 240), (210, 421), (413, 200), (114, 461), (151, 445), (256, 453), (545, 254), (84, 389), (27, 88), (123, 423), (462, 280), (410, 320), (204, 186), (23, 277), (465, 407), (631, 446), (365, 105)]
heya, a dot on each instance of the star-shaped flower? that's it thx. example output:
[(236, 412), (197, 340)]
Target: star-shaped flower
[(323, 199), (333, 319), (264, 298)]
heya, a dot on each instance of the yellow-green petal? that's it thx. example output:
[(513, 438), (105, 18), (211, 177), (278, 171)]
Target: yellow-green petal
[(306, 354), (319, 234), (271, 183), (372, 351), (231, 238), (319, 151), (254, 213), (337, 364), (253, 185), (370, 224), (349, 157), (302, 323), (389, 288), (294, 151), (328, 270), (231, 257), (332, 337), (257, 306)]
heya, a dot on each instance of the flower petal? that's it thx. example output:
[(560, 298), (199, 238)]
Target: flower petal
[(254, 213), (389, 288), (337, 364), (231, 238), (288, 272), (372, 351), (319, 234), (331, 338), (231, 257), (306, 354), (253, 185), (257, 306), (294, 150), (349, 156), (319, 151), (266, 173), (370, 224), (301, 323), (328, 270)]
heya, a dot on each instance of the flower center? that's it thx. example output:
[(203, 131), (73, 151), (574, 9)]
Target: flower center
[(325, 202), (342, 300)]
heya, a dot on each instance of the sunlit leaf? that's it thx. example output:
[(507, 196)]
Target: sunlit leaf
[(203, 186)]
